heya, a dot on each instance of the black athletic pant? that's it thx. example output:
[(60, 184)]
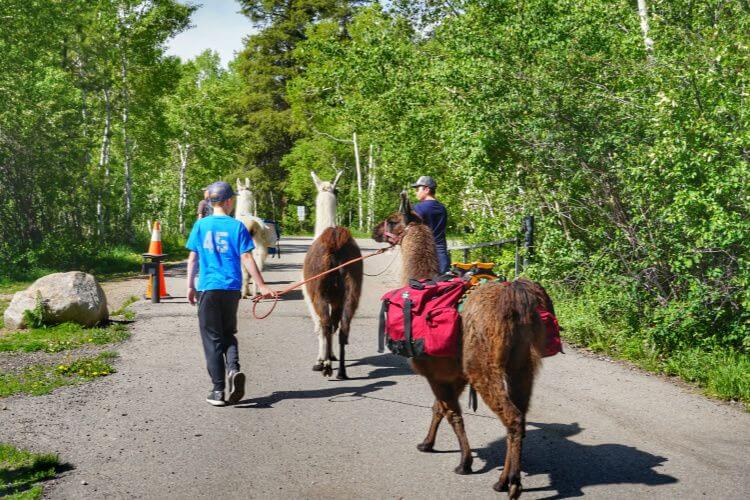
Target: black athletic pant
[(217, 319)]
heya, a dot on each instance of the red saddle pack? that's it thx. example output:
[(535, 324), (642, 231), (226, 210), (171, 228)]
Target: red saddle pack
[(422, 319), (554, 343)]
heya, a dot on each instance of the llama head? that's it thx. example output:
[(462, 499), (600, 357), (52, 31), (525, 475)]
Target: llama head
[(391, 230), (244, 197), (325, 186)]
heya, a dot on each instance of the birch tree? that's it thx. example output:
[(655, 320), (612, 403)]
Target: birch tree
[(643, 15), (360, 219), (184, 151)]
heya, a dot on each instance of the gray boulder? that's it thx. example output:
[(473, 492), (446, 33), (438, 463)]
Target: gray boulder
[(73, 296)]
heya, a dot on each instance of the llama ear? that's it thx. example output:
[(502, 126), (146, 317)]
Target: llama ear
[(315, 178), (336, 180), (239, 184), (247, 183), (404, 207)]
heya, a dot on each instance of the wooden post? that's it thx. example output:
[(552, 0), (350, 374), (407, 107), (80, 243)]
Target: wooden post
[(528, 226)]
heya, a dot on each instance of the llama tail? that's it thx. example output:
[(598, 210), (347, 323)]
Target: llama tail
[(334, 238), (500, 322), (525, 330)]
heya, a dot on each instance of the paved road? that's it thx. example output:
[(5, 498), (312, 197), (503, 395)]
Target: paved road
[(596, 428)]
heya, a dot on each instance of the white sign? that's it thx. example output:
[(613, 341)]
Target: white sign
[(301, 212)]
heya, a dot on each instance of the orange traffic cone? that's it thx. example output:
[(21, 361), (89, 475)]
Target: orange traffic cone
[(155, 248)]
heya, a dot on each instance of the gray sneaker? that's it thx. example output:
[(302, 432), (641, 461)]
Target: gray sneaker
[(235, 387), (216, 398)]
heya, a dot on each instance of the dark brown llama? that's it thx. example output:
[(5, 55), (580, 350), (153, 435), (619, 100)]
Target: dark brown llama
[(332, 299), (502, 339)]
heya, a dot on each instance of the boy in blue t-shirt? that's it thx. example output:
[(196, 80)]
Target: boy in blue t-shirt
[(434, 214), (222, 245)]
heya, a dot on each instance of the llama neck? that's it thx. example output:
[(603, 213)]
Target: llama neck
[(418, 254), (244, 206), (325, 212)]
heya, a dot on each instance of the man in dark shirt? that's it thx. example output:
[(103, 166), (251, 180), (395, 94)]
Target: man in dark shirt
[(434, 215)]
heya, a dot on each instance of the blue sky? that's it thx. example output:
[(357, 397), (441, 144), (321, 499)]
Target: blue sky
[(217, 25)]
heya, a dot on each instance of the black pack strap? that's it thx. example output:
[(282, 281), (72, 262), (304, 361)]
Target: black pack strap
[(407, 327), (381, 325), (416, 284), (444, 277), (473, 399)]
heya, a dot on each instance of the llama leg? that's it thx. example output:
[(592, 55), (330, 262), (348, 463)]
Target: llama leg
[(322, 309), (258, 257), (437, 417), (328, 332), (447, 396), (352, 287), (336, 324), (496, 397), (454, 415), (318, 329), (341, 374), (245, 283), (338, 319)]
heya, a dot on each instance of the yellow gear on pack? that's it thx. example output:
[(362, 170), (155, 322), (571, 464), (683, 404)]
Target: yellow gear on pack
[(475, 271)]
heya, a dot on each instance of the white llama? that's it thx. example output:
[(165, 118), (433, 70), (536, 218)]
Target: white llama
[(264, 236), (325, 203)]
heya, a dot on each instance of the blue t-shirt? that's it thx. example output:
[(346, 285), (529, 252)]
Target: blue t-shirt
[(435, 215), (220, 241)]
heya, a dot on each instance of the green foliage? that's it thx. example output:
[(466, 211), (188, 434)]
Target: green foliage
[(605, 321), (37, 380), (61, 337), (81, 123), (37, 317), (21, 471)]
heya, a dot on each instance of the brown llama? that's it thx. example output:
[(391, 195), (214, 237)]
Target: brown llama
[(332, 299), (502, 339)]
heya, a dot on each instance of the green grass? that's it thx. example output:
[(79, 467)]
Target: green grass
[(722, 374), (61, 337), (37, 380), (124, 311), (4, 303), (21, 471)]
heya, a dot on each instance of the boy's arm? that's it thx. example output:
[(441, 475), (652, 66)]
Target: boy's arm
[(249, 263), (191, 277)]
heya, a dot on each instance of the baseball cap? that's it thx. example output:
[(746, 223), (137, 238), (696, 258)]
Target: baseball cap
[(219, 191), (427, 181)]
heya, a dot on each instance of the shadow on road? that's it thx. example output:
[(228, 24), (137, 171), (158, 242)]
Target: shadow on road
[(387, 365), (573, 466), (275, 397)]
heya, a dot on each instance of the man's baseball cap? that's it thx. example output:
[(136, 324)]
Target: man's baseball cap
[(427, 181), (219, 191)]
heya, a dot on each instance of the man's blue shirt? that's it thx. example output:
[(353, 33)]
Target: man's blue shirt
[(219, 241), (434, 214)]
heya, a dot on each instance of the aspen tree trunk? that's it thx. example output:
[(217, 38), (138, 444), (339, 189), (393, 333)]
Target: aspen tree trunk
[(359, 180), (184, 151), (370, 189), (104, 161), (643, 14), (126, 143)]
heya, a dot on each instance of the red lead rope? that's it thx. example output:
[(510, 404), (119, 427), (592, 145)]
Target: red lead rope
[(298, 284)]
